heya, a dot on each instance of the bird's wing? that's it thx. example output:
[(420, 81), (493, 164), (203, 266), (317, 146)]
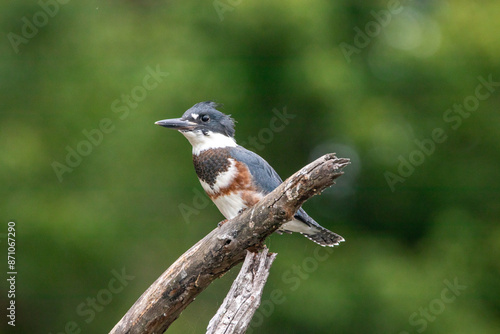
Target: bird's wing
[(265, 177)]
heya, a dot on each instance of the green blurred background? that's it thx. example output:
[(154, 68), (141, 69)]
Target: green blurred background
[(358, 79)]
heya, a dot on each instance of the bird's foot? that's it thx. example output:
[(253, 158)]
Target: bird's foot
[(222, 223)]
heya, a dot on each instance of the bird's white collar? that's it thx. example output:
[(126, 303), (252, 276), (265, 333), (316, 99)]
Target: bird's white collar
[(208, 140)]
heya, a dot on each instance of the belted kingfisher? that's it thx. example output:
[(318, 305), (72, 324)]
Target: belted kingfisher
[(233, 177)]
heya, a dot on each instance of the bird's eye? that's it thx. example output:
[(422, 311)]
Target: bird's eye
[(205, 118)]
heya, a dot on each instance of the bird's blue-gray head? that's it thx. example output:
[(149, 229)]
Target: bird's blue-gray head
[(204, 126)]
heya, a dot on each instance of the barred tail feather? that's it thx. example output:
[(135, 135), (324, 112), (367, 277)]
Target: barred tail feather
[(324, 237), (312, 230)]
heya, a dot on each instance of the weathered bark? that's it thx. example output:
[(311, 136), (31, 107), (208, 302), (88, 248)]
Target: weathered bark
[(225, 247), (243, 299)]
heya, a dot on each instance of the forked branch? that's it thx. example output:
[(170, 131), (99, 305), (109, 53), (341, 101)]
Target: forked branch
[(225, 247)]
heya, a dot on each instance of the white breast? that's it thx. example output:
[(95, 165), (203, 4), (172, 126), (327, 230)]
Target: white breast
[(230, 205)]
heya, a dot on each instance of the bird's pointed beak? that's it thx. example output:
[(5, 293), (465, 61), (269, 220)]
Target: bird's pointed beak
[(177, 124)]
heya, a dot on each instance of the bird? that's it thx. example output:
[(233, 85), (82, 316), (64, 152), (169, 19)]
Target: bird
[(233, 177)]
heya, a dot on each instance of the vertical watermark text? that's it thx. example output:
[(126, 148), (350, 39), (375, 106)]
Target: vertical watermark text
[(11, 273)]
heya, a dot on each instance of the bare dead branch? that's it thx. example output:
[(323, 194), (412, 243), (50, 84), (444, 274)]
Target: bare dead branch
[(243, 299)]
